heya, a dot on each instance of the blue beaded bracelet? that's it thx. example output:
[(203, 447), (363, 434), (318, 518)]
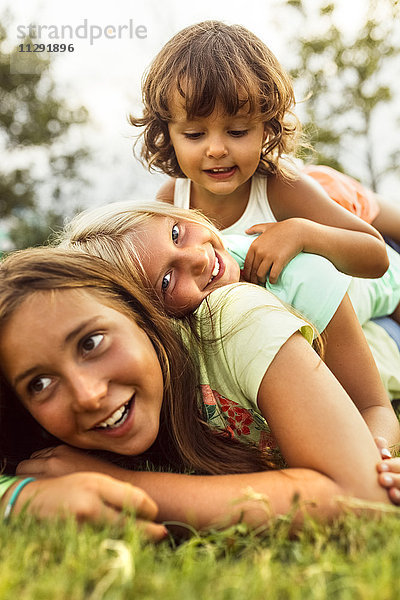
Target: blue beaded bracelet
[(15, 495)]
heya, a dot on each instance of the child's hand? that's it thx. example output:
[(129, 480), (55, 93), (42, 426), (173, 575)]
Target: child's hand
[(62, 460), (90, 497), (388, 471), (389, 478), (273, 249)]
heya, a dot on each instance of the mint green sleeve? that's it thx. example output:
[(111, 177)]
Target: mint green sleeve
[(309, 283), (6, 482), (372, 298)]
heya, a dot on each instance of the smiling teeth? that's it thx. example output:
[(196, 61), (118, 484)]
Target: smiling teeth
[(117, 418), (221, 170), (215, 270)]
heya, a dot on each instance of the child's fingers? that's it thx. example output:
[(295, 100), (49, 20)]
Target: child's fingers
[(394, 495), (275, 271), (391, 483), (34, 467), (43, 452), (262, 271), (153, 531), (248, 267), (382, 445), (123, 495), (391, 465), (257, 228)]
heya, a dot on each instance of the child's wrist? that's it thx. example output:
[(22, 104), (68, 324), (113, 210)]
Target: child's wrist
[(309, 233), (12, 505)]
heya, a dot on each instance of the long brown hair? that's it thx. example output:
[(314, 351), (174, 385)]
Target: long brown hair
[(185, 440), (212, 63)]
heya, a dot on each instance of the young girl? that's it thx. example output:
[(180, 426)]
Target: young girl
[(111, 375), (185, 260), (218, 119)]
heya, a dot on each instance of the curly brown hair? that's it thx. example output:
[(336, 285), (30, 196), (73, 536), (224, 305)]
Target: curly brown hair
[(212, 63)]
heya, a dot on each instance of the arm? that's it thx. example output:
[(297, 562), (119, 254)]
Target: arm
[(320, 432), (388, 219), (308, 421), (349, 358), (89, 497), (309, 221)]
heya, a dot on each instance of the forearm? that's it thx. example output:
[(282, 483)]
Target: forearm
[(382, 422), (253, 498), (355, 253), (349, 358)]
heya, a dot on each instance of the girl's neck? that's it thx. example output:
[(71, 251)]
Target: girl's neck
[(224, 211)]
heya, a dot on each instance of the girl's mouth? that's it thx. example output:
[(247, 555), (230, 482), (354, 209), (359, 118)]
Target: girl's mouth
[(221, 173), (218, 269), (215, 270), (118, 418)]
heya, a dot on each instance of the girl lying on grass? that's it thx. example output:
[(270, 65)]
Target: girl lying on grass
[(185, 260), (85, 353)]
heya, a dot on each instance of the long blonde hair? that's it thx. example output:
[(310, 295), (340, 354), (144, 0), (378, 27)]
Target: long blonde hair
[(184, 440), (110, 231)]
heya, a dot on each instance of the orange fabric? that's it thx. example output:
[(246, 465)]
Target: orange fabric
[(346, 191)]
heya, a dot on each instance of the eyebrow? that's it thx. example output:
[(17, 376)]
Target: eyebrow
[(71, 335)]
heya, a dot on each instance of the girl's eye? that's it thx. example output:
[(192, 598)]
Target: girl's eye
[(193, 136), (165, 282), (91, 342), (39, 384), (175, 233), (238, 133)]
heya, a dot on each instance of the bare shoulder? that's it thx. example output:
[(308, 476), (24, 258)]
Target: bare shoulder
[(166, 191), (292, 197)]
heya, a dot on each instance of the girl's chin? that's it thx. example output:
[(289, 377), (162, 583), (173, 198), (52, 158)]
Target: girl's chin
[(135, 446)]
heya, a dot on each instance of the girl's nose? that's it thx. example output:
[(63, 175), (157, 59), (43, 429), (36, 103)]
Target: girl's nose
[(88, 390), (195, 260), (216, 148)]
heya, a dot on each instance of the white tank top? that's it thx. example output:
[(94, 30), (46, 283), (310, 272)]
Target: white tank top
[(257, 210)]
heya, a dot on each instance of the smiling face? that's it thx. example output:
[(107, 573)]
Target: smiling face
[(219, 153), (85, 371), (184, 261)]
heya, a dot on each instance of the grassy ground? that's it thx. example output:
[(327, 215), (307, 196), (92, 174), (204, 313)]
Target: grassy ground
[(356, 558)]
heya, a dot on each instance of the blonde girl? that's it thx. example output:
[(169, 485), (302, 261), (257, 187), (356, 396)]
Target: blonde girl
[(101, 378), (218, 119)]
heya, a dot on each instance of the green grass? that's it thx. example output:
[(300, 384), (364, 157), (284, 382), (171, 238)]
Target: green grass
[(354, 558)]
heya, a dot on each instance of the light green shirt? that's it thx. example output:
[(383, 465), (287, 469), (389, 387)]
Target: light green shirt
[(309, 282), (315, 288), (248, 326)]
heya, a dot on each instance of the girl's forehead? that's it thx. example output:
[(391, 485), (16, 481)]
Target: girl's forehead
[(179, 114)]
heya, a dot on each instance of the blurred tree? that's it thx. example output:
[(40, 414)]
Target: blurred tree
[(346, 87), (42, 160)]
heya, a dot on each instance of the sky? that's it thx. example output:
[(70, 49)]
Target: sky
[(104, 74)]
